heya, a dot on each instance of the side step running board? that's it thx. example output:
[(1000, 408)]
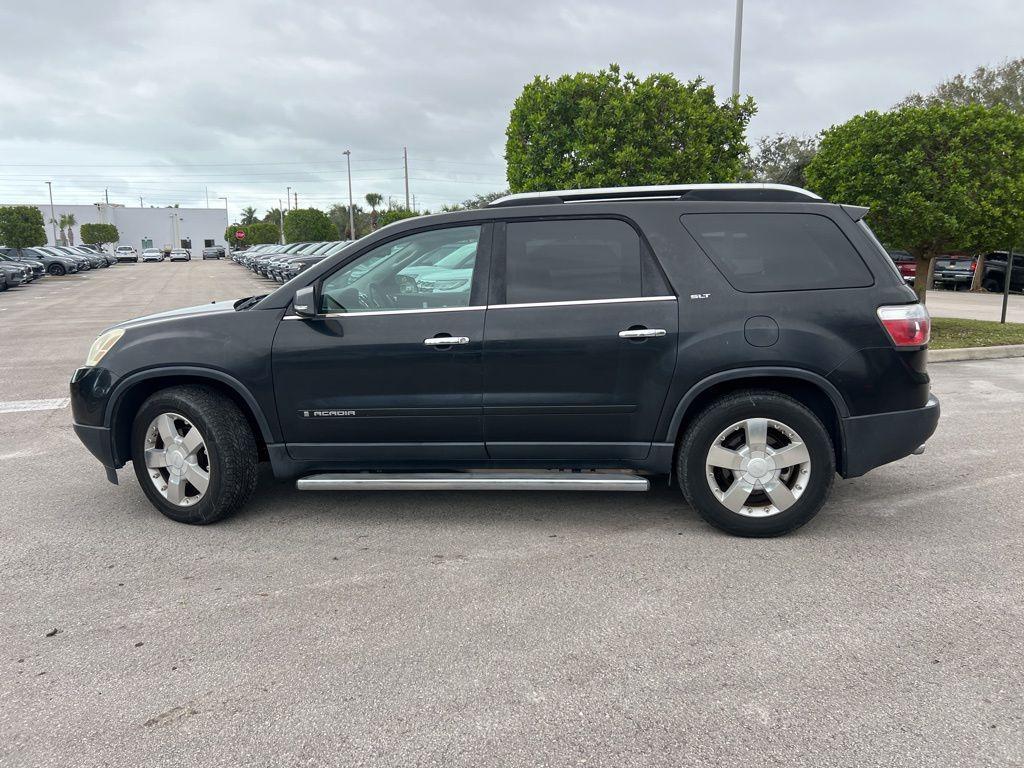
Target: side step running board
[(474, 481)]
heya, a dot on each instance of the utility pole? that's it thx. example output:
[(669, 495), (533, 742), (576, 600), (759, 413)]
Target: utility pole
[(53, 216), (207, 196), (280, 212), (288, 197), (296, 200), (351, 210), (736, 44), (414, 203), (106, 196), (142, 206), (1007, 278), (405, 157)]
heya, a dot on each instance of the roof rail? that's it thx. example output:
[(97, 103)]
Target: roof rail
[(734, 192)]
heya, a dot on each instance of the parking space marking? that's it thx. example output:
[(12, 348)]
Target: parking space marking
[(18, 406)]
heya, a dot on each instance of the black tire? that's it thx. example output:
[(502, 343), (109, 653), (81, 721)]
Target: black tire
[(718, 416), (57, 270), (230, 447)]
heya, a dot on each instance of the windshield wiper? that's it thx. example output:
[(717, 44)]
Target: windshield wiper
[(248, 302)]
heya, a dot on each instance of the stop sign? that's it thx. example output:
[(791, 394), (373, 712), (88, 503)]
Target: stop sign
[(239, 235)]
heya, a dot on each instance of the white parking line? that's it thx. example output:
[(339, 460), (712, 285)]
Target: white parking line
[(17, 406)]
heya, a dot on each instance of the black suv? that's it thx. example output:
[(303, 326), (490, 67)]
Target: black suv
[(745, 341)]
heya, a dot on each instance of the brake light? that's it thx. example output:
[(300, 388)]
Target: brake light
[(974, 265), (908, 325)]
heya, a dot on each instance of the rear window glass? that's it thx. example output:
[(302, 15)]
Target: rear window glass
[(760, 252)]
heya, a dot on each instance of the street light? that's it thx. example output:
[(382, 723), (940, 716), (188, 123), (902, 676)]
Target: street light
[(736, 41), (53, 217), (351, 213), (288, 197)]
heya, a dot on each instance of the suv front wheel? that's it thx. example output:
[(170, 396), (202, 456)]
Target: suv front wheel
[(756, 463), (194, 454)]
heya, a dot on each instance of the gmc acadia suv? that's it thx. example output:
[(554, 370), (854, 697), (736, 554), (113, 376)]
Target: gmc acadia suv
[(746, 342)]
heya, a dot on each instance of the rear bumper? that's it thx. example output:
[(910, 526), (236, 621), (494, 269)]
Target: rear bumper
[(871, 441)]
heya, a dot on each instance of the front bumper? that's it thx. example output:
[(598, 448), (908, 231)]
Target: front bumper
[(871, 441)]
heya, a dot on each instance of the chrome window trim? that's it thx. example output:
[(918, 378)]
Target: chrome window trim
[(580, 302), (377, 313)]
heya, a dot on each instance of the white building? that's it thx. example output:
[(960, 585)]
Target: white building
[(192, 228)]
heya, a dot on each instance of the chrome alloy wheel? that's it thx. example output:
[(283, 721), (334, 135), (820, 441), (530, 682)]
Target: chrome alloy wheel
[(176, 459), (758, 467)]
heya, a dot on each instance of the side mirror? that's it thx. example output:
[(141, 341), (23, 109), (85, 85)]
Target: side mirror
[(304, 302)]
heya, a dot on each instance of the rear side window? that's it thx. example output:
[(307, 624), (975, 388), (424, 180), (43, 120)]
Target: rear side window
[(575, 260), (761, 252)]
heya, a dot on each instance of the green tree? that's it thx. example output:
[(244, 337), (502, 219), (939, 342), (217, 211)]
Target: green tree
[(477, 201), (338, 214), (249, 215), (273, 216), (70, 221), (373, 199), (610, 130), (782, 159), (99, 234), (1002, 85), (937, 178), (308, 224), (256, 233), (21, 226), (392, 215)]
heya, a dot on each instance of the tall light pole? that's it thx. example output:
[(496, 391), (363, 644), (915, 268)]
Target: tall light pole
[(288, 197), (736, 45), (280, 213), (405, 158), (53, 217), (351, 212)]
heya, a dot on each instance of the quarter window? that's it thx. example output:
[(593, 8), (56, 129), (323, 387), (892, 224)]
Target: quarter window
[(571, 261), (761, 252), (426, 270)]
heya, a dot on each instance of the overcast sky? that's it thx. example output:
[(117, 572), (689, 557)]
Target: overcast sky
[(166, 99)]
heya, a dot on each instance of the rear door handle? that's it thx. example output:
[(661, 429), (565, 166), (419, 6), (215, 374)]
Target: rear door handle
[(445, 341), (642, 333)]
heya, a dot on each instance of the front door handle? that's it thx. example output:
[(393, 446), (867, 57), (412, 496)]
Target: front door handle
[(445, 341), (642, 333)]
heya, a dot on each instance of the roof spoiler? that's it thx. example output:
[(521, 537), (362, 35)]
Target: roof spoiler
[(855, 212)]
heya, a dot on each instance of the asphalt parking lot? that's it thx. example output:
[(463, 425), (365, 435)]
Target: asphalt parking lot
[(534, 629)]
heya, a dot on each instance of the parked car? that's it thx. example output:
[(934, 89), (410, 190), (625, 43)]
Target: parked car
[(126, 253), (84, 263), (906, 264), (152, 254), (15, 274), (746, 341), (213, 252), (180, 254), (994, 276), (36, 268), (54, 265), (3, 282), (96, 260), (954, 271)]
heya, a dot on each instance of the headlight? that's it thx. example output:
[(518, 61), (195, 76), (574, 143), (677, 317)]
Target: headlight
[(102, 345)]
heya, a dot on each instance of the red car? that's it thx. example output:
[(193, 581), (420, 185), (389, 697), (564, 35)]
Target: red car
[(906, 264)]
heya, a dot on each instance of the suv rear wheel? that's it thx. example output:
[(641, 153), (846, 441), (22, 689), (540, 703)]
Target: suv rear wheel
[(194, 454), (756, 463)]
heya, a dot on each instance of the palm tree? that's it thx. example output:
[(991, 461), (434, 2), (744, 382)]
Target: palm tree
[(68, 220), (249, 215), (373, 199), (61, 225)]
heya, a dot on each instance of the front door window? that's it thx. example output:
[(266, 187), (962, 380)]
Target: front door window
[(425, 270)]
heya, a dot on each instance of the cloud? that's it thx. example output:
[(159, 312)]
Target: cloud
[(170, 99)]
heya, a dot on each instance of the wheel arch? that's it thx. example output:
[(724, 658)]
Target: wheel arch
[(813, 390), (130, 393)]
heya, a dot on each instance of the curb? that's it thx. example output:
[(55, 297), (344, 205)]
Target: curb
[(975, 353)]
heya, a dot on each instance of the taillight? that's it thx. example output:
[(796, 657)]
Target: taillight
[(908, 325), (974, 265)]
